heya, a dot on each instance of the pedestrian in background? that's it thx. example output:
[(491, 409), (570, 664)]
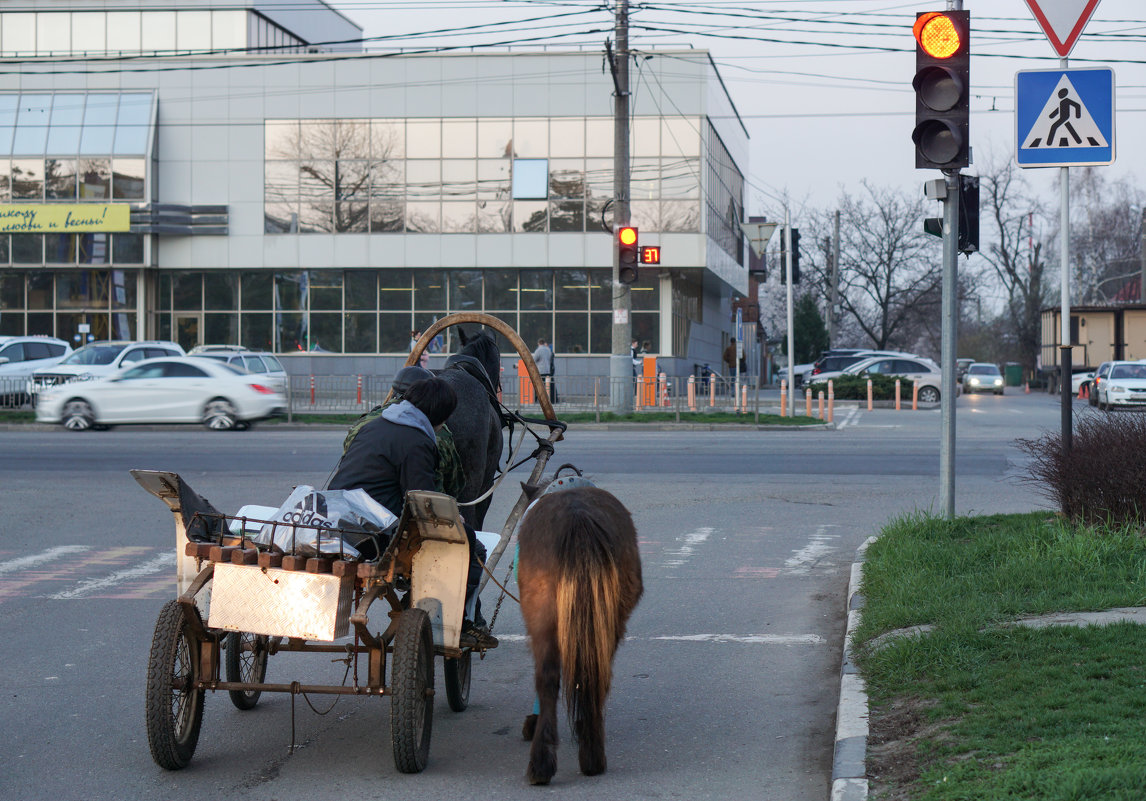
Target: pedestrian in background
[(544, 358), (424, 359)]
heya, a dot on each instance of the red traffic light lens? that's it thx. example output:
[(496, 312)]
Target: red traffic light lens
[(937, 34), (627, 236)]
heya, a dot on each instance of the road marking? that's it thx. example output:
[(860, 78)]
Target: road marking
[(25, 562), (756, 572), (850, 419), (692, 541), (66, 572), (802, 561), (162, 562)]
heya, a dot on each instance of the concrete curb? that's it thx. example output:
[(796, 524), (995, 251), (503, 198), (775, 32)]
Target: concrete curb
[(849, 762)]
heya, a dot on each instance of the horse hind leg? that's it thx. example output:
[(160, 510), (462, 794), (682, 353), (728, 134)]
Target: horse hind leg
[(591, 743), (547, 680)]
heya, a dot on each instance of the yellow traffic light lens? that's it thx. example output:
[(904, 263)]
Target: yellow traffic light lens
[(937, 35), (627, 236)]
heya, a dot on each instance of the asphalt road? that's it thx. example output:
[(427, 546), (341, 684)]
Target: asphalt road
[(725, 688)]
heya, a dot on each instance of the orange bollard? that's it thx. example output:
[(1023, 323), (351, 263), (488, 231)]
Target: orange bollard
[(783, 398), (744, 398), (312, 389), (897, 393), (821, 399), (664, 389), (1027, 387), (808, 402), (525, 386), (596, 386), (869, 394), (360, 389), (831, 403), (692, 393), (711, 391), (915, 396)]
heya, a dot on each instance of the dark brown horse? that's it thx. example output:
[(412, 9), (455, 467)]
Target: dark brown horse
[(579, 574)]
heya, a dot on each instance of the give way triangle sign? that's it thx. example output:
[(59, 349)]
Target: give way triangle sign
[(1062, 21)]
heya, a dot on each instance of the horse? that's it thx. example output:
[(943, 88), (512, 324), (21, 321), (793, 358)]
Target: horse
[(579, 578), (476, 422)]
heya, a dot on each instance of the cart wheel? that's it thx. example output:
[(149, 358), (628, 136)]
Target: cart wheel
[(457, 680), (247, 662), (412, 688), (174, 710)]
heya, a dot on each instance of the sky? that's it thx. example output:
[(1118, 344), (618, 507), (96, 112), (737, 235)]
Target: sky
[(826, 106)]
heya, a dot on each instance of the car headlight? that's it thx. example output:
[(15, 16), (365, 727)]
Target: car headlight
[(974, 382), (998, 382), (1115, 388)]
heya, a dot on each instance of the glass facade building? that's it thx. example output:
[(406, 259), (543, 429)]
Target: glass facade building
[(329, 207)]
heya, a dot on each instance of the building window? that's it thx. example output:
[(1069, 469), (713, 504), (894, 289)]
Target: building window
[(530, 179)]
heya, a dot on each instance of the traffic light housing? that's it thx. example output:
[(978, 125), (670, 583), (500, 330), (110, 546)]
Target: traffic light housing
[(942, 86), (795, 257), (968, 214), (629, 253)]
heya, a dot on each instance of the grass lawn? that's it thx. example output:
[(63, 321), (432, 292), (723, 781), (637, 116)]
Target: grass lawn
[(974, 709)]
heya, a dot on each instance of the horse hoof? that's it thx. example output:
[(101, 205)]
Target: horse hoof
[(528, 727), (541, 768)]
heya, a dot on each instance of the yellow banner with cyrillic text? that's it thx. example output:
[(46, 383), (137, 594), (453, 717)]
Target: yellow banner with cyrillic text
[(64, 218)]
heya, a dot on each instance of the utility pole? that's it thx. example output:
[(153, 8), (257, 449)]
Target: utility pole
[(834, 312), (620, 362)]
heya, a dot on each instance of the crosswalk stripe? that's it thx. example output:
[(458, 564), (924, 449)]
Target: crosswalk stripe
[(162, 562), (32, 560)]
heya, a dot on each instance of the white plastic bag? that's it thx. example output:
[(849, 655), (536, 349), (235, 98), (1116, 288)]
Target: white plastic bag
[(304, 523)]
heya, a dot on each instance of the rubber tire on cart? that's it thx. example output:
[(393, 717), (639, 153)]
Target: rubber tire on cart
[(456, 676), (174, 714), (412, 688), (248, 665)]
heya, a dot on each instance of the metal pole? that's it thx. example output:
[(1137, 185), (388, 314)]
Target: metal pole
[(1065, 354), (947, 349), (834, 314), (791, 334), (620, 362)]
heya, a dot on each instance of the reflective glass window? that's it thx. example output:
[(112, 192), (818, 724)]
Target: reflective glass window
[(530, 179), (534, 326), (387, 139), (645, 214), (394, 332), (325, 332), (361, 333), (19, 34), (193, 30), (93, 247), (387, 216), (566, 178), (5, 249), (67, 119), (325, 289), (459, 179), (646, 329), (123, 289), (536, 289), (99, 124), (133, 126), (352, 217), (680, 178), (361, 286), (280, 218), (290, 291), (423, 139), (423, 217), (387, 179), (95, 179), (600, 290), (281, 139), (280, 180), (530, 216), (459, 139), (571, 333), (60, 179), (646, 292), (27, 249), (495, 138), (32, 125), (680, 136), (530, 138), (459, 217), (465, 290), (493, 178), (11, 292), (256, 289), (645, 136), (599, 136), (40, 290), (158, 30), (60, 248), (645, 179), (54, 34), (429, 290), (501, 290), (8, 106), (494, 216), (396, 291), (424, 179), (187, 292), (220, 291), (566, 215), (567, 137), (290, 332), (28, 179), (255, 331), (680, 216), (222, 329), (572, 290), (127, 178)]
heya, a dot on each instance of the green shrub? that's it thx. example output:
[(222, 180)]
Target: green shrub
[(1103, 478), (854, 387)]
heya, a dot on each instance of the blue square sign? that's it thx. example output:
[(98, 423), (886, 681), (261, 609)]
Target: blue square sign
[(1064, 118)]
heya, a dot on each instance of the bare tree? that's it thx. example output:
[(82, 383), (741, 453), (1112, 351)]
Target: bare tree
[(1015, 254), (1105, 242)]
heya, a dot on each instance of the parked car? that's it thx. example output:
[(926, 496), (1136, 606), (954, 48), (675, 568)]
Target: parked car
[(181, 389), (983, 377), (1101, 373), (1122, 385), (20, 356), (830, 375), (961, 366), (1077, 380), (264, 365), (800, 370), (100, 358), (912, 369)]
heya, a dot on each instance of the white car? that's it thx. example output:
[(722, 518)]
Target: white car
[(983, 377), (100, 358), (912, 369), (20, 356), (264, 365), (1123, 385), (801, 371), (183, 389)]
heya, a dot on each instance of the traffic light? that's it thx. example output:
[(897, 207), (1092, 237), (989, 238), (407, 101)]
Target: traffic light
[(968, 214), (795, 257), (942, 89), (629, 252)]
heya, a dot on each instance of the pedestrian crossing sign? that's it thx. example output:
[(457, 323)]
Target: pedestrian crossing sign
[(1064, 118)]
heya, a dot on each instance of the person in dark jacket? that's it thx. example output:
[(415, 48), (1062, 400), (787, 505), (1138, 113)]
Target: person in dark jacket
[(397, 452)]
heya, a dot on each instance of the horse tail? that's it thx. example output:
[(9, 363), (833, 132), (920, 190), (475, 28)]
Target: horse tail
[(590, 620)]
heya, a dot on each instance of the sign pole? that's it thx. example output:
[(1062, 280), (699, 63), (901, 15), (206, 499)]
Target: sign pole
[(791, 334), (948, 342), (1065, 353)]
